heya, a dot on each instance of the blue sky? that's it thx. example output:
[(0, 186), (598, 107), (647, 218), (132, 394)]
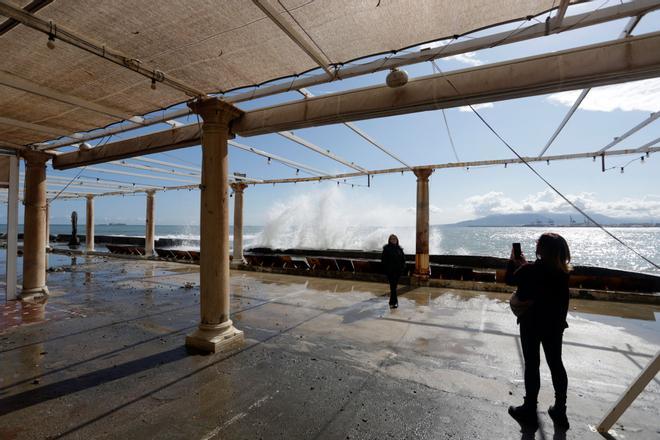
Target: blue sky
[(421, 138)]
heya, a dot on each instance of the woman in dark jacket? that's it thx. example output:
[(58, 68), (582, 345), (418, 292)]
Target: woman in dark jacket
[(394, 263), (543, 295)]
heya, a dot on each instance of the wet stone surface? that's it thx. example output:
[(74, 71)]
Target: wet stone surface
[(104, 358)]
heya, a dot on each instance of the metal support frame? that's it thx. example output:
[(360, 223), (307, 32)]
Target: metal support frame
[(629, 396), (307, 94), (327, 153), (561, 12), (649, 144), (12, 229), (591, 18), (282, 160), (123, 163), (168, 164), (146, 176), (295, 36), (18, 83), (61, 33), (630, 26), (632, 131), (33, 127), (473, 164)]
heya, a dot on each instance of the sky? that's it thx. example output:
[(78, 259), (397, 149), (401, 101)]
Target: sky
[(422, 138)]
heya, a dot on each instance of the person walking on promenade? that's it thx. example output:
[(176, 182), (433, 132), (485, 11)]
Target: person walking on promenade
[(541, 305), (394, 263)]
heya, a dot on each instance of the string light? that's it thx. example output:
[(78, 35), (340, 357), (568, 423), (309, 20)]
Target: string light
[(505, 164), (622, 168), (51, 41), (153, 83)]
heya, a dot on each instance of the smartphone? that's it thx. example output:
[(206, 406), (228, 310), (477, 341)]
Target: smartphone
[(517, 251)]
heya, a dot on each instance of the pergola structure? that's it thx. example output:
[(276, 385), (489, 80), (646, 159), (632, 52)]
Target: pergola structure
[(75, 72)]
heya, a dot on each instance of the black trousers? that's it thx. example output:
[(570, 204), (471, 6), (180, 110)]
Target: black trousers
[(531, 339), (394, 280)]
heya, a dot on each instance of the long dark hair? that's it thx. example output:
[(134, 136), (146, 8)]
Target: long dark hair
[(553, 249), (389, 241)]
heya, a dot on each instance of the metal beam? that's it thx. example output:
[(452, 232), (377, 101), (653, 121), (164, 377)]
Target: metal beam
[(600, 64), (104, 182), (18, 83), (625, 34), (33, 6), (145, 176), (474, 164), (33, 127), (123, 163), (158, 142), (116, 129), (307, 94), (561, 12), (55, 31), (605, 63), (633, 8), (632, 131), (319, 150), (168, 164), (288, 162), (649, 144), (295, 36)]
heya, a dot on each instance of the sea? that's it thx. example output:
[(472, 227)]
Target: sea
[(589, 245)]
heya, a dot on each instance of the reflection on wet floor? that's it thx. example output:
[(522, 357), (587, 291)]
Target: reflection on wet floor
[(323, 359), (16, 313)]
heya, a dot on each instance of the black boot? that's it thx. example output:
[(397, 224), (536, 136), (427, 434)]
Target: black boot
[(557, 413), (525, 415)]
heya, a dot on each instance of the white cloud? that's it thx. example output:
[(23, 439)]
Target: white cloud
[(469, 58), (639, 95), (547, 201), (466, 108)]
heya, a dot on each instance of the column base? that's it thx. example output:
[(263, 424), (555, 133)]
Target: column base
[(419, 279), (33, 294), (236, 264), (215, 338)]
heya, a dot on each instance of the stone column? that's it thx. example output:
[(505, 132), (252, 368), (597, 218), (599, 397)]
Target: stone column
[(216, 331), (238, 188), (89, 224), (34, 238), (151, 224), (422, 271), (47, 225)]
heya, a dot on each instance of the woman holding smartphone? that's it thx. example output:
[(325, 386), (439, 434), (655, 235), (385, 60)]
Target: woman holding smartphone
[(542, 305)]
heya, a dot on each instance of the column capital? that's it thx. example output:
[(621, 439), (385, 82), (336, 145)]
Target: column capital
[(89, 196), (238, 186), (150, 192), (215, 111), (423, 173), (35, 157)]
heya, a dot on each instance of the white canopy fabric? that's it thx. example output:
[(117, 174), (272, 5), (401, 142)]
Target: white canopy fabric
[(211, 45)]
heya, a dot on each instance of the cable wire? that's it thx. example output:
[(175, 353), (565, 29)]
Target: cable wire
[(544, 180)]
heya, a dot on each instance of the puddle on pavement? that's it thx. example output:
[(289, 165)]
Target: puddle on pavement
[(18, 313)]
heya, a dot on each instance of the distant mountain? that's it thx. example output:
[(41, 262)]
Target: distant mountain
[(545, 219)]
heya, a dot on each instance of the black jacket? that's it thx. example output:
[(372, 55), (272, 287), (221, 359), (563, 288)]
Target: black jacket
[(547, 287), (394, 262)]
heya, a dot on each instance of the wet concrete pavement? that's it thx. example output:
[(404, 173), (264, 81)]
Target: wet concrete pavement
[(323, 359)]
